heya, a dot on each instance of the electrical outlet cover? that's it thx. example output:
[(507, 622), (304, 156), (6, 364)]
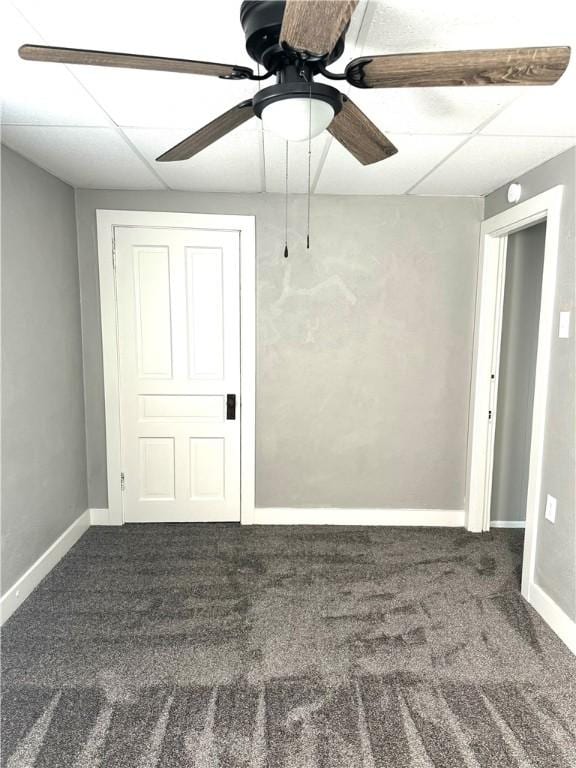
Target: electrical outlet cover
[(550, 513)]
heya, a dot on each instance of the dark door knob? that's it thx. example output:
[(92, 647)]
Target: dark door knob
[(230, 407)]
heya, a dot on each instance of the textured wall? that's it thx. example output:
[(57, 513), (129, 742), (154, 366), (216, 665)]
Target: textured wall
[(521, 316), (364, 345), (43, 438), (556, 544)]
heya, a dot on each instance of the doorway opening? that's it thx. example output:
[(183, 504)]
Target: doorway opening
[(513, 337), (517, 375)]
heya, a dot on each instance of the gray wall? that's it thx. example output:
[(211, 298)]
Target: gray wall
[(522, 294), (363, 352), (43, 438), (556, 544)]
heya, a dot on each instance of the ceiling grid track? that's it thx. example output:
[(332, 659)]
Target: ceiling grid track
[(456, 149)]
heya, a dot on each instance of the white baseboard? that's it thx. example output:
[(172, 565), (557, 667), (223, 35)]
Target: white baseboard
[(337, 516), (507, 523), (42, 567), (553, 615), (101, 517)]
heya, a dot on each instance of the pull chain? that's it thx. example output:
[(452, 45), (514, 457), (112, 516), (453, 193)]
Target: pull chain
[(286, 209), (262, 134), (309, 167)]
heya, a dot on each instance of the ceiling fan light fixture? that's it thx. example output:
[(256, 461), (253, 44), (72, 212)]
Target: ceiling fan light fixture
[(296, 119), (295, 110)]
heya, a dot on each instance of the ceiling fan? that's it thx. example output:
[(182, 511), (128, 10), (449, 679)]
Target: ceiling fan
[(295, 40)]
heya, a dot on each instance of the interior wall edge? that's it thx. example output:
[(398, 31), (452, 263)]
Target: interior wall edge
[(554, 615), (27, 583), (44, 471)]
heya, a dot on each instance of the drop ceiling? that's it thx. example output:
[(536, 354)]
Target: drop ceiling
[(102, 128)]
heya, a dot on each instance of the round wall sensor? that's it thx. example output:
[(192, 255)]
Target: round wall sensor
[(514, 192)]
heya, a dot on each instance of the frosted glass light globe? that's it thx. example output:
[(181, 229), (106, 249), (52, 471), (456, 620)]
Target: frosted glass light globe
[(290, 118)]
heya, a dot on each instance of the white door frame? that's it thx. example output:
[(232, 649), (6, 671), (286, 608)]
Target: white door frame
[(107, 222), (489, 310)]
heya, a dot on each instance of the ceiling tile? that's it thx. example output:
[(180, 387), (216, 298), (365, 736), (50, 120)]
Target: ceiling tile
[(409, 26), (484, 163), (232, 164), (275, 158), (343, 174), (540, 112), (135, 98), (96, 158), (432, 110), (39, 94)]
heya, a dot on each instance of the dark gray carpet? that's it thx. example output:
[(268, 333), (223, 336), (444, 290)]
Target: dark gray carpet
[(215, 645)]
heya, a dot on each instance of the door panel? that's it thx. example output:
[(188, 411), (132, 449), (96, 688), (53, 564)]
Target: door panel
[(207, 468), (205, 313), (153, 326), (188, 407), (156, 465), (178, 306)]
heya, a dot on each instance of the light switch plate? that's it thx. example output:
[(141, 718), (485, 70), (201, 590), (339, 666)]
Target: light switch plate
[(550, 513), (564, 325)]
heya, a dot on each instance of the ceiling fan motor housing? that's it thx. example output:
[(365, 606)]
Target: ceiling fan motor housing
[(262, 21)]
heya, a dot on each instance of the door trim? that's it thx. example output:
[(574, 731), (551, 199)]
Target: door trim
[(494, 237), (107, 221)]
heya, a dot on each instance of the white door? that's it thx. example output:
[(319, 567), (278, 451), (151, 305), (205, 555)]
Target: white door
[(178, 305)]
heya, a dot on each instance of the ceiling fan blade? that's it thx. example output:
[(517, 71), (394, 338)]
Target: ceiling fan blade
[(315, 26), (504, 66), (131, 61), (359, 134), (209, 133)]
